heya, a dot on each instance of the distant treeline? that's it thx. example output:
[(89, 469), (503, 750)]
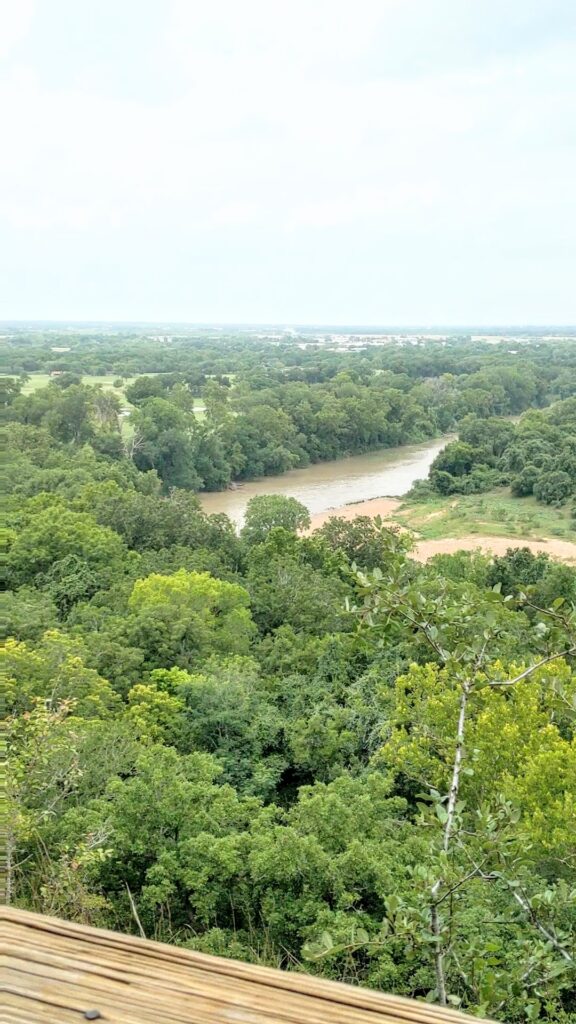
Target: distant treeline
[(270, 407), (268, 359)]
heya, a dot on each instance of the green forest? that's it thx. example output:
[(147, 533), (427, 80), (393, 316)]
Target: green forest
[(270, 406), (537, 456), (300, 749)]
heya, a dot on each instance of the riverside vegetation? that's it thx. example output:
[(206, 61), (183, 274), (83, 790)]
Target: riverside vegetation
[(308, 751)]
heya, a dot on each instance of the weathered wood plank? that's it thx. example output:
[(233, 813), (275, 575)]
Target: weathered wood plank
[(54, 971)]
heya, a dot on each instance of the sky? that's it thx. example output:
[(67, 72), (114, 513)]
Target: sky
[(394, 162)]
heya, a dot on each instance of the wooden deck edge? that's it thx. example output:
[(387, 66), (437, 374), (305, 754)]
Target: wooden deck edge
[(305, 984)]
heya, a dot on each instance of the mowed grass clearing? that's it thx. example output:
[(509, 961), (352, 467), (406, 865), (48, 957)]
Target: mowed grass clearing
[(41, 380), (494, 514), (106, 382)]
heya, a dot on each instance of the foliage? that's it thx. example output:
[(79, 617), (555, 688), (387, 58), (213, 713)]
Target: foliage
[(365, 542), (536, 457), (60, 542), (266, 511), (182, 618), (302, 750)]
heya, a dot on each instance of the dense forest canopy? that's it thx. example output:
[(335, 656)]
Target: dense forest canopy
[(299, 749), (266, 407), (537, 456)]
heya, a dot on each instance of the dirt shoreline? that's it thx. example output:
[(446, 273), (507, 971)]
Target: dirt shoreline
[(384, 507), (564, 550)]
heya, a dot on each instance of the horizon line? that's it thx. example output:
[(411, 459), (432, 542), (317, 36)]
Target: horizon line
[(287, 325)]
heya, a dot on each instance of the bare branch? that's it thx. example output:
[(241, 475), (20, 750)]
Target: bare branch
[(457, 766), (528, 909), (135, 914), (438, 954), (564, 619), (448, 827), (534, 668), (457, 885)]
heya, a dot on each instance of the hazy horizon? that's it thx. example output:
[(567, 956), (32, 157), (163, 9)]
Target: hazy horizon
[(291, 324), (66, 322), (387, 162)]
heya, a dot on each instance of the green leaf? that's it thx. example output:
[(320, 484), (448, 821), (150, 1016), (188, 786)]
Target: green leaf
[(392, 903)]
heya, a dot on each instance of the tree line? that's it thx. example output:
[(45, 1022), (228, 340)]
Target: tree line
[(536, 457), (268, 414)]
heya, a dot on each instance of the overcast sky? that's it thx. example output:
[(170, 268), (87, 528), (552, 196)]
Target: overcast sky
[(304, 161)]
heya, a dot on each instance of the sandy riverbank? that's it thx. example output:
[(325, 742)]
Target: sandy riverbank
[(564, 550), (384, 507)]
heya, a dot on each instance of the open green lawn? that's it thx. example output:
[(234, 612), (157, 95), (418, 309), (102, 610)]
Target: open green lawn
[(36, 380), (106, 381), (40, 380), (495, 513), (199, 409)]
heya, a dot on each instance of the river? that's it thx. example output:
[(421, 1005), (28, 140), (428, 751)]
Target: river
[(386, 472)]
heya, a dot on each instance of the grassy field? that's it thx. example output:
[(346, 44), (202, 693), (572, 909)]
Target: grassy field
[(495, 514), (40, 380)]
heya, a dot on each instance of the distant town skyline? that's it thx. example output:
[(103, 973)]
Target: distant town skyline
[(425, 329), (376, 163)]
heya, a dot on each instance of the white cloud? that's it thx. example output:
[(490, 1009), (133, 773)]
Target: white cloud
[(299, 120), (15, 20)]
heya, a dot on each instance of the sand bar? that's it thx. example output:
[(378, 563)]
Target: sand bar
[(373, 507), (565, 550)]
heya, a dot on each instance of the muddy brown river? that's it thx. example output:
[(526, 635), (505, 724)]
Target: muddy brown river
[(387, 472)]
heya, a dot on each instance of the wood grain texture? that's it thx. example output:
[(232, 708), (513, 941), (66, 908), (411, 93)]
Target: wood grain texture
[(54, 972)]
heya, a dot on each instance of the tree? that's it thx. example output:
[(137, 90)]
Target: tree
[(143, 388), (523, 484), (216, 398), (483, 827), (155, 523), (229, 712), (444, 482), (169, 820), (55, 670), (27, 613), (68, 417), (66, 379), (456, 458), (493, 434), (286, 589), (55, 534), (10, 389), (517, 570), (261, 440), (364, 541), (166, 443), (553, 488), (266, 511), (106, 409), (182, 618)]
